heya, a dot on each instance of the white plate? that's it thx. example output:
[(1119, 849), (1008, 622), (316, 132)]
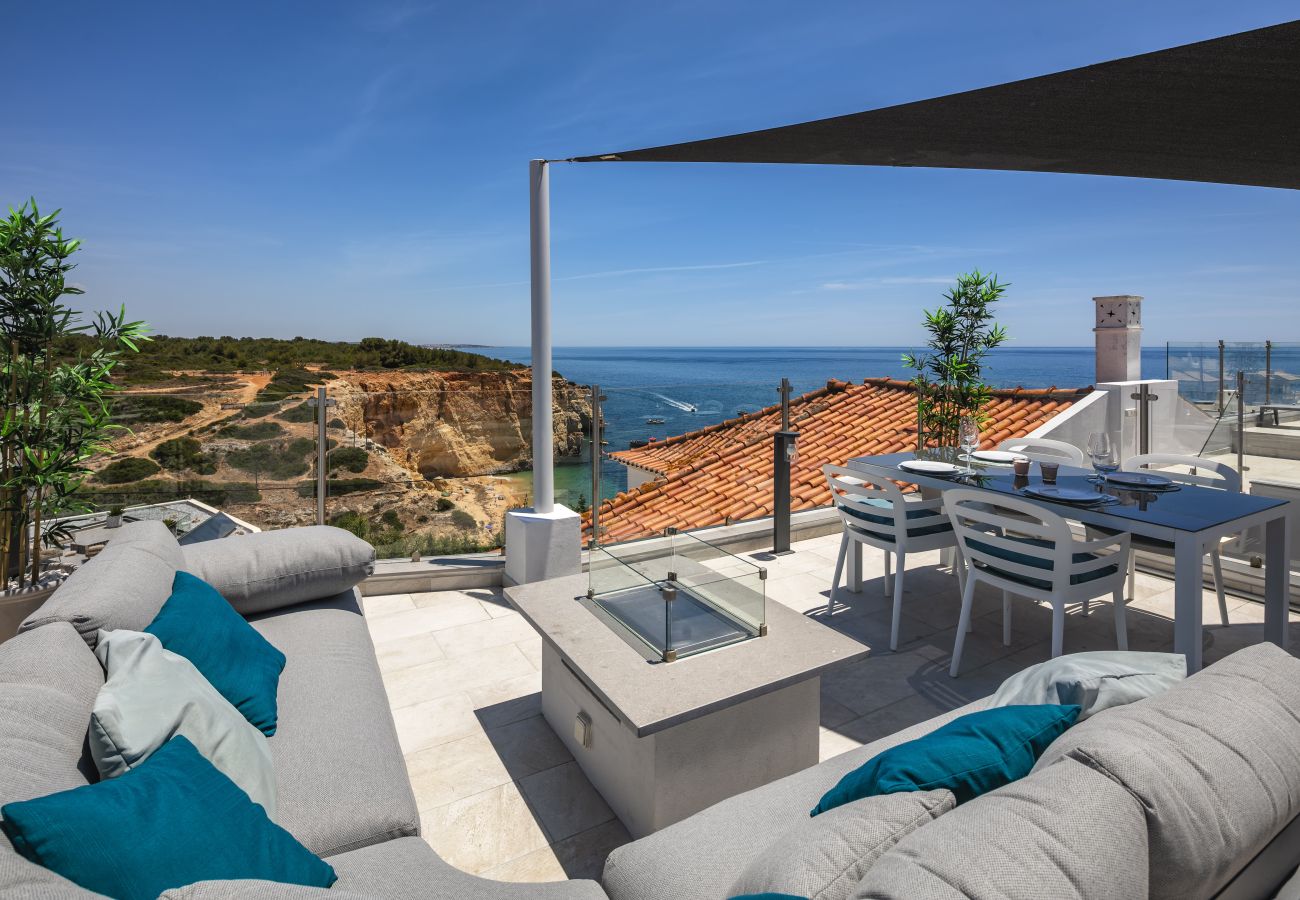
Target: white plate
[(1065, 494), (928, 467), (1139, 479), (1003, 457)]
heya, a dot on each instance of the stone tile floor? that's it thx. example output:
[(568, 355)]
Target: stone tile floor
[(500, 795)]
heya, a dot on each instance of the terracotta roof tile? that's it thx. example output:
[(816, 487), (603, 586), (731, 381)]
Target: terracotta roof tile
[(725, 471)]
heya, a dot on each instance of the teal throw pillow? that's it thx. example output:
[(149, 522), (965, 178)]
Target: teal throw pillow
[(197, 623), (169, 822), (969, 756)]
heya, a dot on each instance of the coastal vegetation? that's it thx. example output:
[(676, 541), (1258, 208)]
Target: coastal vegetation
[(123, 471), (226, 354), (137, 409)]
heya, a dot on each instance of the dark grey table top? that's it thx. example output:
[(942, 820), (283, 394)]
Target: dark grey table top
[(1190, 509)]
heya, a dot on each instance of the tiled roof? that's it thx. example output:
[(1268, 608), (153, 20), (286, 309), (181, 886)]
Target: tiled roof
[(725, 471)]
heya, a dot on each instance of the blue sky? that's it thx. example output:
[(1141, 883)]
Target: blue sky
[(341, 169)]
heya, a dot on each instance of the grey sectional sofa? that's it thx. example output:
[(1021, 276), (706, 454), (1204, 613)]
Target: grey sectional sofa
[(1191, 793), (342, 784)]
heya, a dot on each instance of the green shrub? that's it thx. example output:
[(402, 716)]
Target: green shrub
[(463, 520), (353, 522), (258, 431), (444, 504), (274, 459), (133, 468), (300, 413), (433, 544), (287, 382), (184, 453), (159, 491), (354, 459), (391, 519), (136, 409)]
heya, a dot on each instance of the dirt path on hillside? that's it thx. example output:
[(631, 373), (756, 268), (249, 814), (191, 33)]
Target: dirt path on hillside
[(242, 393)]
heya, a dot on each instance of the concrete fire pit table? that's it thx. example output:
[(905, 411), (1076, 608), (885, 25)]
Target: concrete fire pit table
[(663, 740)]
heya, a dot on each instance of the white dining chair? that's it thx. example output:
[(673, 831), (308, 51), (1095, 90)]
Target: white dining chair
[(878, 514), (1045, 450), (1184, 470), (1040, 559)]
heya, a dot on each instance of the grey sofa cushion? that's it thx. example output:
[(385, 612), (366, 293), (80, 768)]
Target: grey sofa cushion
[(825, 857), (1065, 831), (1094, 681), (123, 587), (1215, 762), (48, 683), (151, 695), (341, 780), (704, 855), (403, 869), (276, 569)]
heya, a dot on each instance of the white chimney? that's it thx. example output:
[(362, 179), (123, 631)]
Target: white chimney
[(1119, 338)]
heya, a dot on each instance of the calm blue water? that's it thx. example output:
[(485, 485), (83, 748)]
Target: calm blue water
[(690, 388)]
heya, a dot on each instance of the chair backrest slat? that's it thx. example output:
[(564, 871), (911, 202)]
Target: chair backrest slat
[(1045, 450), (1203, 472)]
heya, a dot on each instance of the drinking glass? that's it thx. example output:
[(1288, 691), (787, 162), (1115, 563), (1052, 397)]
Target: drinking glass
[(1104, 454), (968, 433)]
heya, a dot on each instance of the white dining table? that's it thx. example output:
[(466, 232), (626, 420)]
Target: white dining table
[(1193, 519)]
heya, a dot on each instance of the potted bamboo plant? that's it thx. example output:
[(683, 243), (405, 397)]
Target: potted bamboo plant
[(949, 380), (114, 517), (56, 372)]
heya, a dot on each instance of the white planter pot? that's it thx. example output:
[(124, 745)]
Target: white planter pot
[(113, 522)]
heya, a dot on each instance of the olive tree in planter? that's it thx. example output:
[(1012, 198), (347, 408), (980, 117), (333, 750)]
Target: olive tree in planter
[(56, 378), (949, 378)]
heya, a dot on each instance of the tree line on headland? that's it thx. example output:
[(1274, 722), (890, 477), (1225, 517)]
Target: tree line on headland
[(230, 354)]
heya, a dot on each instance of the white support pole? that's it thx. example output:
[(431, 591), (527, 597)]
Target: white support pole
[(539, 195)]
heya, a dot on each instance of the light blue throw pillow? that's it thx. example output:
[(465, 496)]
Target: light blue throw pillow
[(1094, 681), (197, 623), (151, 695), (173, 821), (970, 755)]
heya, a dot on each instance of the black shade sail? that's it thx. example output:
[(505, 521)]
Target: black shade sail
[(1224, 110)]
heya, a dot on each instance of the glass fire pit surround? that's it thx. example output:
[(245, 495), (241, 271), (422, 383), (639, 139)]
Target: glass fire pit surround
[(677, 595)]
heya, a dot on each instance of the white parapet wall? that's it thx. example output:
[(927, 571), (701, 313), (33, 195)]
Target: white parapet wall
[(1176, 425)]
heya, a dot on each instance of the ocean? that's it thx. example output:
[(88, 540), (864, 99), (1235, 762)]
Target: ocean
[(690, 388)]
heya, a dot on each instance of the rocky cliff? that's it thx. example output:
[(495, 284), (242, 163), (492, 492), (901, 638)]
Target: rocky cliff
[(450, 424)]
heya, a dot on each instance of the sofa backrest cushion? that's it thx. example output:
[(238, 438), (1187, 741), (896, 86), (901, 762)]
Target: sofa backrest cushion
[(1214, 761), (1065, 831), (48, 683), (824, 857), (123, 587), (274, 569)]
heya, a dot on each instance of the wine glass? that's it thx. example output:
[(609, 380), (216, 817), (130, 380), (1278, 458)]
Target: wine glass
[(968, 434), (1104, 455)]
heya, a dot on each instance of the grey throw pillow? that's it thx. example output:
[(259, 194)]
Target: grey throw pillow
[(825, 857), (274, 569), (1093, 681), (151, 695), (122, 587)]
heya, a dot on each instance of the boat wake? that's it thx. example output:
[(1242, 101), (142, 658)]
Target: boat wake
[(676, 404)]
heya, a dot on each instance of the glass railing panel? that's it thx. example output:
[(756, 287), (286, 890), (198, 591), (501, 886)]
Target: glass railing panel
[(652, 433), (731, 584)]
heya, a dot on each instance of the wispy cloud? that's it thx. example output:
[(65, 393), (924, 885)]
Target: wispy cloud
[(392, 16), (340, 142), (879, 282)]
